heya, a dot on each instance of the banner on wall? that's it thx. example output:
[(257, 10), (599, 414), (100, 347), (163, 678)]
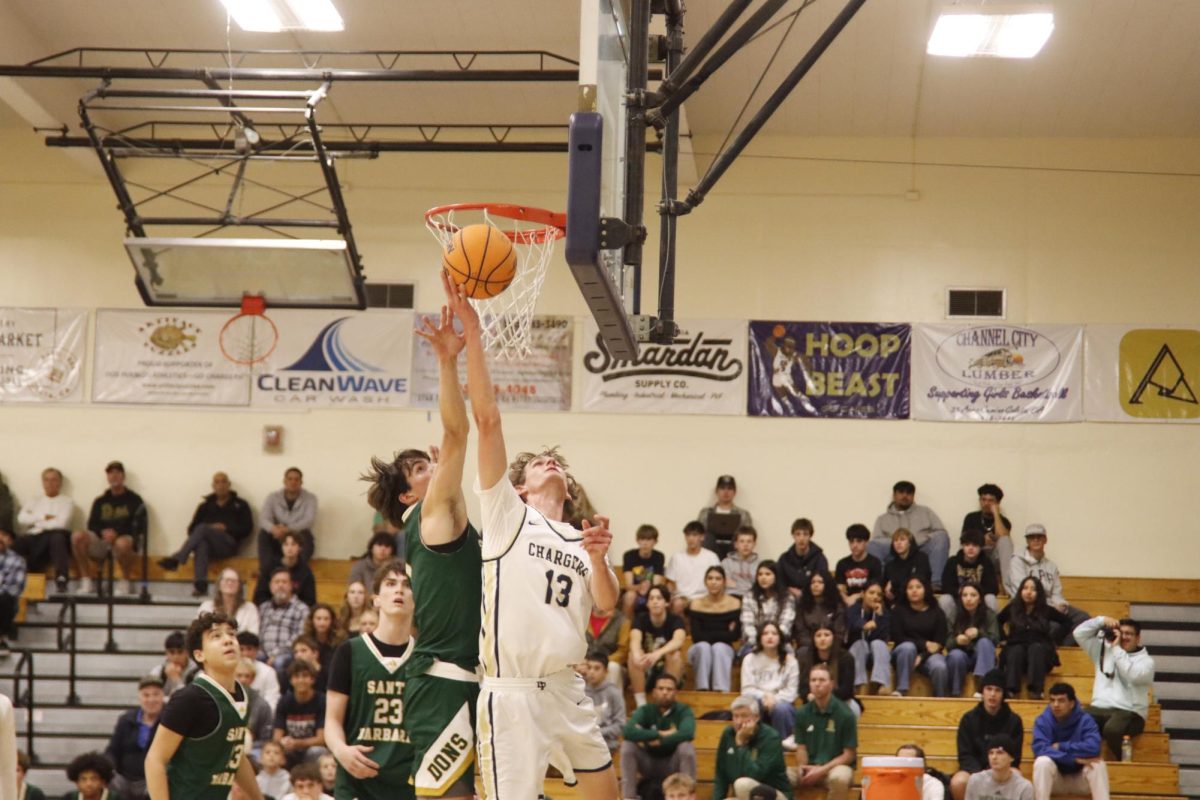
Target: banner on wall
[(539, 382), (1142, 374), (852, 370), (41, 354), (998, 373), (152, 357), (702, 372), (336, 359)]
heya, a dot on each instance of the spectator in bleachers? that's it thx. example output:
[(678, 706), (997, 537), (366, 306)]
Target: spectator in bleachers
[(991, 717), (933, 783), (1066, 749), (741, 564), (607, 698), (306, 783), (826, 738), (1029, 652), (641, 567), (290, 509), (174, 671), (608, 633), (658, 741), (722, 519), (259, 714), (47, 521), (266, 680), (1000, 781), (91, 773), (868, 629), (906, 562), (230, 598), (855, 571), (819, 605), (802, 559), (328, 766), (929, 534), (1124, 677), (323, 626), (686, 568), (304, 584), (655, 643), (768, 601), (997, 529), (969, 565), (221, 523), (305, 648), (749, 754), (715, 630), (771, 676), (131, 738), (12, 586), (679, 787), (368, 621), (974, 634), (355, 601), (1033, 563), (919, 633), (280, 619), (380, 550), (300, 716), (273, 779), (826, 650), (117, 519), (26, 790)]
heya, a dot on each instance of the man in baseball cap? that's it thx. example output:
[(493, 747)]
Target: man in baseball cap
[(1033, 562), (722, 520)]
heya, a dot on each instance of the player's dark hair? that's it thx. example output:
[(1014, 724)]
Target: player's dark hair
[(90, 762), (1061, 689), (695, 526), (395, 566), (1132, 623), (804, 524), (516, 475), (646, 532), (389, 480), (202, 625), (746, 530)]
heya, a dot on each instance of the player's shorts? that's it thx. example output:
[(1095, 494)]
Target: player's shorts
[(439, 716), (526, 724)]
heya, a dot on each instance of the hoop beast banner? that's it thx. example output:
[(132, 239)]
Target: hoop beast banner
[(41, 354), (702, 372), (167, 357), (540, 381), (1142, 374), (998, 373), (852, 370)]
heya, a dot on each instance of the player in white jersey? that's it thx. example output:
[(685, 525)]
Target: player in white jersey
[(541, 577)]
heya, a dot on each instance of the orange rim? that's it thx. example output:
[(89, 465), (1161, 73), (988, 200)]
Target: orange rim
[(248, 361), (555, 224)]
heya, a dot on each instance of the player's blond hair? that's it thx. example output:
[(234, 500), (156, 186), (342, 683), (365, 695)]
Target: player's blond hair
[(516, 475)]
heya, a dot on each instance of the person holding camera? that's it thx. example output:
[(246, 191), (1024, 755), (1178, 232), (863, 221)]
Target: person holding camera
[(1124, 675)]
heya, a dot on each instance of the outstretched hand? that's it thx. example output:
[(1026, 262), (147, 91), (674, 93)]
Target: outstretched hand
[(597, 538), (460, 306), (442, 337)]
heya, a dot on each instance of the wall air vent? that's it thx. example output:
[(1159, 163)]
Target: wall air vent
[(964, 302)]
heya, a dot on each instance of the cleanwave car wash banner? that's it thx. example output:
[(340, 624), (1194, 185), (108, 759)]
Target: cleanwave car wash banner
[(41, 354), (1142, 374), (703, 371), (996, 372), (851, 370)]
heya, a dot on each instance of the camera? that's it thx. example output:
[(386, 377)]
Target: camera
[(1111, 634)]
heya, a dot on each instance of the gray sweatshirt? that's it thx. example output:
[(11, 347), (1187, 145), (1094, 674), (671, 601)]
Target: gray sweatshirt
[(917, 518), (610, 711), (982, 786), (1024, 565), (300, 517)]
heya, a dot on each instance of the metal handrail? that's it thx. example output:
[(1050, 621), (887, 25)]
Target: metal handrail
[(25, 699), (70, 643)]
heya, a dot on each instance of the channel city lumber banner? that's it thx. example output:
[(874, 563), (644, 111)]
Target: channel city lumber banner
[(1147, 373), (702, 372), (539, 382), (850, 370), (41, 354), (995, 372), (165, 357), (336, 359)]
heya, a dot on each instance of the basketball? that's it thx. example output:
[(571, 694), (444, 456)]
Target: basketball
[(481, 258)]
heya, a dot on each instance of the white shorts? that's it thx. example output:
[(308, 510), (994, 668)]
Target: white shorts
[(527, 724)]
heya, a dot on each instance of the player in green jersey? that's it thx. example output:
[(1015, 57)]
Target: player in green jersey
[(444, 555), (364, 709), (199, 750)]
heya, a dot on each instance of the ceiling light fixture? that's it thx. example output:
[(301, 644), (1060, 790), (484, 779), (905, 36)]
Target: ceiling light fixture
[(271, 16), (994, 35)]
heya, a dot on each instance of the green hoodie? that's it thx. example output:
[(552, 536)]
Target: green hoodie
[(761, 759)]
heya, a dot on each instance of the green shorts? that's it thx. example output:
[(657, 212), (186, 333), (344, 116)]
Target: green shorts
[(439, 716)]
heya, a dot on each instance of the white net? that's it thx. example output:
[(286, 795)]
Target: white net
[(506, 319)]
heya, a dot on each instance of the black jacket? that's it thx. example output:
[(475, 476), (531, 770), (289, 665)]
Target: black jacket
[(976, 725), (958, 572), (795, 569), (123, 750), (235, 514)]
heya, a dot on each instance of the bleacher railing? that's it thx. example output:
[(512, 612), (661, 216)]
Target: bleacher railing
[(66, 637), (23, 698)]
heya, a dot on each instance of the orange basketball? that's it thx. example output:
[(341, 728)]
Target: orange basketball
[(481, 258)]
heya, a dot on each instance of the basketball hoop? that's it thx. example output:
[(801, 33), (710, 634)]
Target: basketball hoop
[(506, 318), (250, 336)]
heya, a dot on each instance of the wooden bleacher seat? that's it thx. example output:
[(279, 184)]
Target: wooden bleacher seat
[(35, 591)]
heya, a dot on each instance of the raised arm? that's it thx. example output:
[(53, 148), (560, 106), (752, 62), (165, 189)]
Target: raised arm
[(444, 512), (493, 458)]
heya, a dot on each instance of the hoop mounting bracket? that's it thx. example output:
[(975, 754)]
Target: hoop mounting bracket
[(616, 233)]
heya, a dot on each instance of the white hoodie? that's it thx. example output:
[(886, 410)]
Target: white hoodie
[(1023, 565), (1126, 686)]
